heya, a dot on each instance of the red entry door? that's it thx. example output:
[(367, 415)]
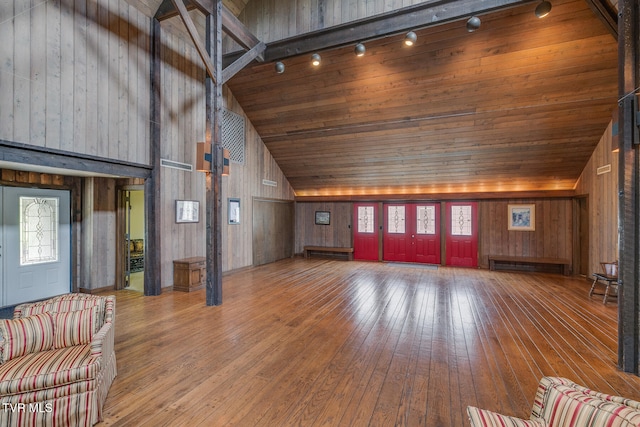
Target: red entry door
[(412, 233), (365, 232), (462, 234)]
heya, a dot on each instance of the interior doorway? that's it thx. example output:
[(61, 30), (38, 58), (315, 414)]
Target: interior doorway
[(131, 238)]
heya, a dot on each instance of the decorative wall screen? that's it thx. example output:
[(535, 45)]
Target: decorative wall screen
[(426, 220), (461, 221), (233, 135), (38, 230), (396, 220), (365, 219)]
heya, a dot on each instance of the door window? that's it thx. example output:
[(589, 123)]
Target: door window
[(366, 220), (426, 220), (396, 220), (38, 230), (461, 220)]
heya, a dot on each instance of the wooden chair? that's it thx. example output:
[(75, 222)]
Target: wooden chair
[(608, 278)]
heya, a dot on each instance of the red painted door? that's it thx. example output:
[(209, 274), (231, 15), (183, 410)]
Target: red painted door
[(365, 232), (462, 234), (411, 233)]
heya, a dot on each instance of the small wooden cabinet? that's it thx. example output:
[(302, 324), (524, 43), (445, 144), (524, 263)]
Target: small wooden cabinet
[(189, 274)]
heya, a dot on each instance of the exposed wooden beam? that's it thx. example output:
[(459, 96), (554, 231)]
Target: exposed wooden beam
[(606, 13), (195, 37), (231, 70), (422, 15), (629, 188), (237, 30)]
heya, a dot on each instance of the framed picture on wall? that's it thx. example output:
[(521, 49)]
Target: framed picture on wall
[(522, 217), (187, 211), (234, 211), (323, 218)]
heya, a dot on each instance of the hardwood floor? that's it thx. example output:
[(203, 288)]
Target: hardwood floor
[(319, 342)]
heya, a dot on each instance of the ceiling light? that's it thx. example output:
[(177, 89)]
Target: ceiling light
[(410, 38), (315, 59), (543, 9), (279, 67), (360, 49), (473, 24)]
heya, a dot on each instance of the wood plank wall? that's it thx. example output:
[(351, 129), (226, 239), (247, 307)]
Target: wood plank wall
[(552, 237), (602, 193), (336, 234), (79, 75)]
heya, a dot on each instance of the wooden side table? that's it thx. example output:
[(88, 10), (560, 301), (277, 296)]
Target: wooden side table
[(189, 274)]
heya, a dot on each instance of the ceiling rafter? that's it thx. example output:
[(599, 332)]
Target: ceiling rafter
[(230, 25)]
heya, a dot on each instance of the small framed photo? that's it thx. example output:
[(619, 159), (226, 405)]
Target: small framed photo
[(522, 217), (187, 211), (234, 211), (323, 218)]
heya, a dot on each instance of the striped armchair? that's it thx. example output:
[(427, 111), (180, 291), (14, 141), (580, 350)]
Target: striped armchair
[(57, 361), (562, 403)]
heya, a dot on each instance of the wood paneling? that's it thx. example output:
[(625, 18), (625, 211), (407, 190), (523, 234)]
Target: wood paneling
[(79, 76), (518, 105), (332, 343), (552, 237), (336, 234), (273, 228), (602, 194)]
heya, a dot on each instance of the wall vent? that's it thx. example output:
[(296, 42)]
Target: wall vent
[(176, 165), (233, 135), (603, 169), (269, 183)]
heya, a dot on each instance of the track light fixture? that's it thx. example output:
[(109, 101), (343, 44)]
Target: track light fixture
[(279, 67), (473, 24), (315, 59), (410, 38), (360, 49), (543, 9)]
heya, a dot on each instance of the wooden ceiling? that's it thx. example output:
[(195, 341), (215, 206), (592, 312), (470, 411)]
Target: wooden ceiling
[(516, 106)]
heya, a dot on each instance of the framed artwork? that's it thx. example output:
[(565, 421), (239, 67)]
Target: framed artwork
[(187, 211), (522, 217), (323, 217), (234, 211)]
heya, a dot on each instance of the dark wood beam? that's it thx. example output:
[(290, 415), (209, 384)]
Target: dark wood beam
[(415, 17), (213, 102), (195, 37), (59, 159), (606, 13), (629, 187), (231, 70), (152, 185)]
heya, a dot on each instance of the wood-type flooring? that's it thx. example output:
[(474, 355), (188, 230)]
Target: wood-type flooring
[(316, 342)]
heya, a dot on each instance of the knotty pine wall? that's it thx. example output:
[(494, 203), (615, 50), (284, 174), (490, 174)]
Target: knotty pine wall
[(602, 193), (78, 75)]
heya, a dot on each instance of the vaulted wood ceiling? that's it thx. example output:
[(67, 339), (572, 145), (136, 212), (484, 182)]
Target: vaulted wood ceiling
[(518, 105)]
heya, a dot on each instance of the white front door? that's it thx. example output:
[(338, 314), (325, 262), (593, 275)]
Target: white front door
[(36, 244)]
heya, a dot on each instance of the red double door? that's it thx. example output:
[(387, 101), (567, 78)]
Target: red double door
[(411, 233)]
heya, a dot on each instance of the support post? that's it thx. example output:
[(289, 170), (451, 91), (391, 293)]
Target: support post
[(214, 179), (153, 208), (629, 187)]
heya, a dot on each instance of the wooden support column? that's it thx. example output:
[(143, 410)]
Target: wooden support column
[(213, 85), (153, 208), (629, 184)]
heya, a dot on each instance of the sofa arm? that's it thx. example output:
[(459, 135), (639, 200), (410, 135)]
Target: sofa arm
[(102, 343)]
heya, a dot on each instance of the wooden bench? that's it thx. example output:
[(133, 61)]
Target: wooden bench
[(326, 249), (517, 262)]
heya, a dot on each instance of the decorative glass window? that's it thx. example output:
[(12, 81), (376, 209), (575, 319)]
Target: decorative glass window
[(38, 230), (426, 220), (365, 219), (461, 220), (396, 220)]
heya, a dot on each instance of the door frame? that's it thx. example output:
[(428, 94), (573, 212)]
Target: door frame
[(121, 224)]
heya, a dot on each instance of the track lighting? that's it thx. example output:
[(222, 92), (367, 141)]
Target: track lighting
[(410, 38), (473, 24), (279, 67), (543, 9), (315, 59), (360, 49)]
